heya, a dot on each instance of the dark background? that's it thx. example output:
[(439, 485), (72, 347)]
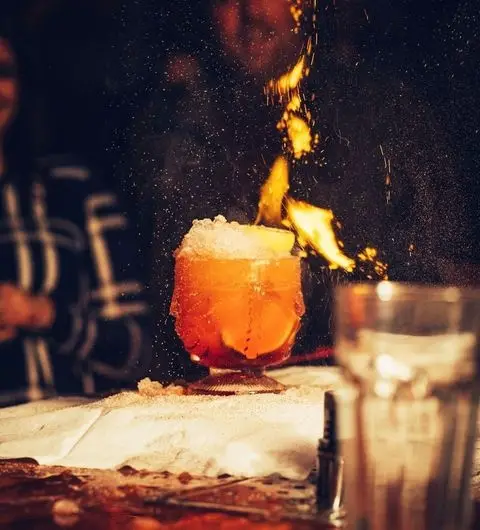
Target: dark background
[(95, 62)]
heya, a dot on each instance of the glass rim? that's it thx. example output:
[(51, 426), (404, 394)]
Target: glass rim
[(390, 291)]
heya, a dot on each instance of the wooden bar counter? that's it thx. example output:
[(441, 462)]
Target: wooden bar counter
[(45, 498)]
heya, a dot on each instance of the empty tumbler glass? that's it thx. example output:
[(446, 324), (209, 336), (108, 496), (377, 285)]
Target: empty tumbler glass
[(407, 425)]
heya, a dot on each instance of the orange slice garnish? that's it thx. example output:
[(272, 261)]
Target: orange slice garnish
[(275, 239)]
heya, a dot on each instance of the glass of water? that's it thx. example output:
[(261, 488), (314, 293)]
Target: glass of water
[(407, 424)]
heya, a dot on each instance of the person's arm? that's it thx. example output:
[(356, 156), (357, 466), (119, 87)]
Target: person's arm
[(109, 329)]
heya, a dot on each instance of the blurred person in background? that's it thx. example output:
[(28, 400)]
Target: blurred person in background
[(73, 315), (383, 163)]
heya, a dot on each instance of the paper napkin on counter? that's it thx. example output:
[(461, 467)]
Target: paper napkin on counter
[(250, 435)]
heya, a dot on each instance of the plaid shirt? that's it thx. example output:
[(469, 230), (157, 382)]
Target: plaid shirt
[(63, 235)]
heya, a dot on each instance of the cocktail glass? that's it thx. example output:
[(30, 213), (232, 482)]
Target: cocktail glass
[(237, 316)]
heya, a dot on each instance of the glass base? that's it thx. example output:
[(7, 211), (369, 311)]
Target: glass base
[(227, 382)]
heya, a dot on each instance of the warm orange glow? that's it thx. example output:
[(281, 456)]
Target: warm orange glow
[(237, 313), (294, 105), (295, 119), (370, 255), (299, 135), (314, 230), (313, 226), (272, 194), (289, 81), (297, 12)]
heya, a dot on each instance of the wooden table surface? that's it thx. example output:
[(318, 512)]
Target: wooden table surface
[(46, 498)]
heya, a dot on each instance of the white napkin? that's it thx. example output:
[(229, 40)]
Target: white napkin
[(34, 408), (47, 436), (252, 435)]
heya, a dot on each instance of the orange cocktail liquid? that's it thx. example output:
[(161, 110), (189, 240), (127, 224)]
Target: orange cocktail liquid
[(237, 313)]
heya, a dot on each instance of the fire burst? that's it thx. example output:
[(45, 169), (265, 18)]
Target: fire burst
[(312, 225)]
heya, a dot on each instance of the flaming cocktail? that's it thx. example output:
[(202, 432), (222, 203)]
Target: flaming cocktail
[(237, 302)]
